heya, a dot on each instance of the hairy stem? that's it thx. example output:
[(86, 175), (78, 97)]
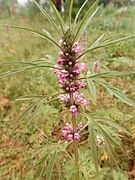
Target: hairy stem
[(75, 144)]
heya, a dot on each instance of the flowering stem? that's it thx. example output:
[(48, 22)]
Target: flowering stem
[(75, 144)]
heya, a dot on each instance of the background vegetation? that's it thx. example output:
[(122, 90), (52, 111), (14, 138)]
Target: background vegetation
[(17, 151)]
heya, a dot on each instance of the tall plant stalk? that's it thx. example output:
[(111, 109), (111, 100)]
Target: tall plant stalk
[(75, 144)]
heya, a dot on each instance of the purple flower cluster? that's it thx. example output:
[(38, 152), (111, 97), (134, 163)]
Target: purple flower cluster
[(67, 70), (78, 101), (68, 134)]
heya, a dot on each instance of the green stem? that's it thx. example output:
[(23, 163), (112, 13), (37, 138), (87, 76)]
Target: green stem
[(75, 144)]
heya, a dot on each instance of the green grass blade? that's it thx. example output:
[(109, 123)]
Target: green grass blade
[(70, 13), (85, 18), (77, 15), (37, 32), (47, 16), (58, 16)]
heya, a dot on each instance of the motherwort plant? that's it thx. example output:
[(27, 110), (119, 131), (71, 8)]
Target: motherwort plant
[(64, 158)]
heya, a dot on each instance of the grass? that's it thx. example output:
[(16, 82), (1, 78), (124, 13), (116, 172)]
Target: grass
[(17, 157)]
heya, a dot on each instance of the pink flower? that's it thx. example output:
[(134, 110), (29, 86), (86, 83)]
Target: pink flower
[(64, 133), (68, 128), (78, 68), (77, 136), (63, 98), (73, 110), (79, 127), (62, 76), (60, 42), (56, 71), (96, 66), (76, 48), (80, 84), (60, 61), (72, 87), (70, 137)]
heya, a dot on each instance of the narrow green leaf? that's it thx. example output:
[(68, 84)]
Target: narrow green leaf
[(116, 92), (82, 30), (25, 113), (47, 16), (108, 144), (50, 166), (34, 113), (107, 74), (51, 59), (30, 108), (18, 62), (37, 32), (31, 97), (85, 18), (77, 15), (44, 158), (97, 41), (58, 167), (93, 146), (14, 71), (19, 70), (92, 89), (114, 125), (105, 45), (58, 16), (47, 33), (70, 13)]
